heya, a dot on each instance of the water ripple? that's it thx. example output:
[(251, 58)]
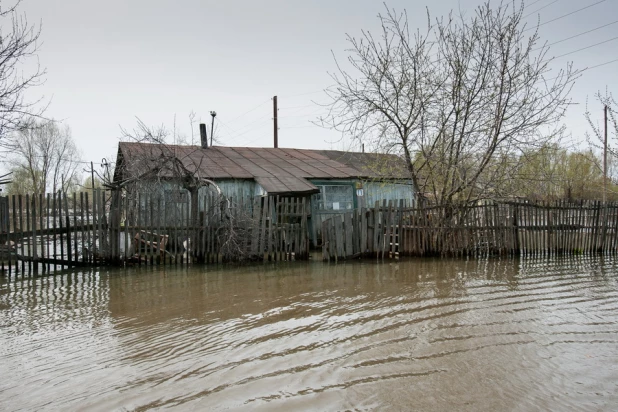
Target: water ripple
[(418, 334)]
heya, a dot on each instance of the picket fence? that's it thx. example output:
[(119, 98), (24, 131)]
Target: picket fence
[(487, 228), (105, 227)]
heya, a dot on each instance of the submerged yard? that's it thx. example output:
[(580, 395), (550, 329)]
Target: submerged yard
[(513, 334)]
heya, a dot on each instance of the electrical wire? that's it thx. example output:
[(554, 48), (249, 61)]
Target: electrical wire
[(296, 107), (532, 4), (582, 70), (566, 15), (249, 111), (538, 10), (299, 127), (256, 122), (599, 65), (302, 94), (585, 48), (577, 35)]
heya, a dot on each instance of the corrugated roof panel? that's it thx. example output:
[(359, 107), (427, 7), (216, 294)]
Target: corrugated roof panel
[(248, 162)]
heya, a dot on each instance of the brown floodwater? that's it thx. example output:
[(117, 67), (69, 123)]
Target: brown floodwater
[(407, 335)]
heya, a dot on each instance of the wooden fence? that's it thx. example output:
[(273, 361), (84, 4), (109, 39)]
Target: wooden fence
[(104, 227), (490, 228)]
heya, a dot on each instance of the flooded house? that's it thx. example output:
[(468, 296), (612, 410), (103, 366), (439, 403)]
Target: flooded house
[(331, 181)]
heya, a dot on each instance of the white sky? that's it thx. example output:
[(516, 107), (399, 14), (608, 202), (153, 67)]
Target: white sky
[(110, 61)]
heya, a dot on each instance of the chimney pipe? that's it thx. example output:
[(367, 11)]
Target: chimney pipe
[(203, 136)]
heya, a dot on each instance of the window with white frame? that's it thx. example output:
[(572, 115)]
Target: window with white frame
[(334, 197)]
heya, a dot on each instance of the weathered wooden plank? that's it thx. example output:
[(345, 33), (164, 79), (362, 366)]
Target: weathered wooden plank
[(304, 230), (28, 248), (348, 232), (41, 227), (363, 231), (338, 221), (255, 232), (377, 228), (124, 226), (34, 234), (61, 225), (68, 225), (263, 250), (325, 240), (138, 228), (82, 232), (54, 207), (160, 248), (13, 201), (74, 233)]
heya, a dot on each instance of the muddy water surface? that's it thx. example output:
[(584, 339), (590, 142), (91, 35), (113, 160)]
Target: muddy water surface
[(412, 335)]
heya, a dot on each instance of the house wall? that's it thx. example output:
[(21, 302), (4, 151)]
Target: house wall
[(233, 189), (171, 197), (179, 208)]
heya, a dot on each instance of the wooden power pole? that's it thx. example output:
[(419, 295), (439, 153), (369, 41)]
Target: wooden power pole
[(276, 135)]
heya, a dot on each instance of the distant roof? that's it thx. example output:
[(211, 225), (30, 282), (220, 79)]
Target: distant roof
[(278, 170)]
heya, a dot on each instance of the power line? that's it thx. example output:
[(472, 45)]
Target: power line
[(532, 4), (538, 10), (577, 35), (249, 129), (587, 47), (566, 15), (249, 111), (306, 114), (302, 94), (299, 127), (599, 65), (585, 69), (241, 130), (296, 107)]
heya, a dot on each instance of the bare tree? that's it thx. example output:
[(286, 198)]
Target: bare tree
[(46, 152), (18, 44), (157, 167), (459, 101)]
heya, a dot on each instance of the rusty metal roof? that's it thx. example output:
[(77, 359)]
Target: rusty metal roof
[(277, 170)]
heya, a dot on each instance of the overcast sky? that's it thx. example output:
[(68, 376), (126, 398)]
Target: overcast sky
[(109, 62)]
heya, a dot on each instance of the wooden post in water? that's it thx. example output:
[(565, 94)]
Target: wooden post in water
[(68, 226), (15, 231), (35, 256), (75, 230), (42, 230), (29, 234)]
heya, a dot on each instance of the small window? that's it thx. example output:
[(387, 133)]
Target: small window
[(335, 197), (176, 196)]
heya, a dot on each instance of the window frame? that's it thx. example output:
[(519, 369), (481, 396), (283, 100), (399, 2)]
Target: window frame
[(321, 202)]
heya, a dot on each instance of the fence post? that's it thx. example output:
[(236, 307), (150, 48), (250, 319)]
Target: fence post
[(516, 228), (113, 225)]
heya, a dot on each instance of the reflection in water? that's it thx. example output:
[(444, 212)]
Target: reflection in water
[(415, 334)]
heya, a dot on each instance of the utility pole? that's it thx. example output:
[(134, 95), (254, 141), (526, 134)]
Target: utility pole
[(212, 125), (605, 155), (276, 135)]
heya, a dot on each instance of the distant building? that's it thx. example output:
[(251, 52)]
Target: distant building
[(333, 181)]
